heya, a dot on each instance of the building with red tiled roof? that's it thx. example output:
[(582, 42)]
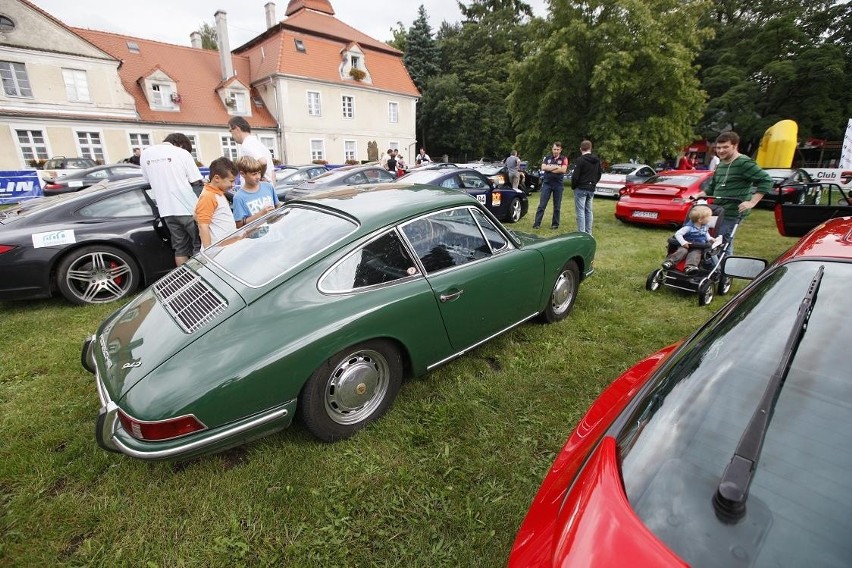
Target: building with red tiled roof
[(312, 88)]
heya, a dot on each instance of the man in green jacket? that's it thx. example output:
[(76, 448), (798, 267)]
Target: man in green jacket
[(735, 177)]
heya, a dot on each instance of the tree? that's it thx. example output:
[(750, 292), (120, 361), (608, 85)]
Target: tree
[(618, 72), (421, 54), (209, 37), (400, 37), (777, 59), (463, 111)]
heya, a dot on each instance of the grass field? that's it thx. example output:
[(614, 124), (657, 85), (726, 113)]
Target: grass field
[(444, 479)]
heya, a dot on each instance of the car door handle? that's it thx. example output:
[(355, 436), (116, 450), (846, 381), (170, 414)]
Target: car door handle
[(452, 296)]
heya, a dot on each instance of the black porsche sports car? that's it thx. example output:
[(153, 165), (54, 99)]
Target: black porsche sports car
[(93, 246)]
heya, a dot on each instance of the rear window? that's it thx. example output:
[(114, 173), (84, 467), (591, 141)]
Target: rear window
[(289, 238), (681, 435), (675, 180)]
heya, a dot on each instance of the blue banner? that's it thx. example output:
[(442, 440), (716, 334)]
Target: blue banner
[(19, 185)]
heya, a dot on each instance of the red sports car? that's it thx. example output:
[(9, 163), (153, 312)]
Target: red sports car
[(728, 449), (662, 199)]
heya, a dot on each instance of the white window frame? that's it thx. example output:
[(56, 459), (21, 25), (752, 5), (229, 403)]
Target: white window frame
[(193, 140), (14, 76), (38, 151), (93, 146), (240, 102), (139, 140), (314, 103), (269, 142), (393, 112), (317, 149), (347, 103), (162, 95), (229, 146), (76, 85), (350, 149)]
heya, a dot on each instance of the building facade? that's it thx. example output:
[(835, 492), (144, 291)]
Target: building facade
[(312, 88)]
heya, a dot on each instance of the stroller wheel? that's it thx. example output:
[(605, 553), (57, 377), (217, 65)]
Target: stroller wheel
[(724, 285), (654, 280), (705, 293)]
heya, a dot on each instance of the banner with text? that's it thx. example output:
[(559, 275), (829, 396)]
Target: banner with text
[(19, 185)]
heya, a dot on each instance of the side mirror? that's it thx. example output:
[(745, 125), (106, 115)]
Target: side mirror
[(743, 267)]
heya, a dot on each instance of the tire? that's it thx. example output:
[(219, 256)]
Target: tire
[(563, 294), (514, 211), (724, 285), (654, 280), (97, 274), (350, 390), (705, 294)]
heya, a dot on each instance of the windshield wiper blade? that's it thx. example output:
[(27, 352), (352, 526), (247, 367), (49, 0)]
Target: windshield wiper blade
[(729, 501)]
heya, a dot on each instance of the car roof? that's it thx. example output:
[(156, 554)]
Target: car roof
[(378, 205), (832, 239)]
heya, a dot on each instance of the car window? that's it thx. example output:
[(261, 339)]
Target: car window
[(316, 172), (492, 234), (645, 172), (99, 174), (356, 179), (451, 182), (288, 238), (128, 204), (471, 180), (297, 176), (378, 262), (78, 163), (446, 239)]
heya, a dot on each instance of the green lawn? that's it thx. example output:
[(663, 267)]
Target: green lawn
[(444, 479)]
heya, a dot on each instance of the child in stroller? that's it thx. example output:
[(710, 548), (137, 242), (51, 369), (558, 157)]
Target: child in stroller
[(693, 240), (695, 256)]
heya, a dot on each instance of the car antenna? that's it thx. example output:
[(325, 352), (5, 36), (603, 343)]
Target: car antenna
[(729, 501)]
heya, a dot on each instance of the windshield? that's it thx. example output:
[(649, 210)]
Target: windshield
[(680, 435), (286, 239)]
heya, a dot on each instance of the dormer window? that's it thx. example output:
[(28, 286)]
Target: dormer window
[(162, 95), (353, 66)]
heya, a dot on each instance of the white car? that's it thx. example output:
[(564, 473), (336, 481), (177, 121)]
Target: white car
[(619, 175)]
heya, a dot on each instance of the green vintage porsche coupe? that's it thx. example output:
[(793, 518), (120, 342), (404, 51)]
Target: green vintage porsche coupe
[(321, 307)]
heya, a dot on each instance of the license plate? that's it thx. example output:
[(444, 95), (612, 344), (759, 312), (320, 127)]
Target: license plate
[(75, 184), (645, 214)]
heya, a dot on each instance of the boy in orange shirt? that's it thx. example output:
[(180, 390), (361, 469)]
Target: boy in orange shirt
[(212, 212)]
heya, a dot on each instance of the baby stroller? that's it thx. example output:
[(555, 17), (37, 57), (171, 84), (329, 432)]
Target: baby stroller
[(709, 275)]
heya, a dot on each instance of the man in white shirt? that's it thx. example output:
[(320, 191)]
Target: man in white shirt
[(170, 169), (250, 145)]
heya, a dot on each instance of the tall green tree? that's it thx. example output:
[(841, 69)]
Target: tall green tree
[(209, 37), (421, 53), (618, 72), (400, 37), (463, 111), (777, 59)]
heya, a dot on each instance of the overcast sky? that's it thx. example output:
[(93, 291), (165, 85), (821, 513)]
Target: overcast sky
[(172, 21)]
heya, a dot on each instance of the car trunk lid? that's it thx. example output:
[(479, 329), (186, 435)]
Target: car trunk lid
[(159, 323), (658, 191)]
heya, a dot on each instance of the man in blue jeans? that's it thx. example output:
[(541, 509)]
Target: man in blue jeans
[(586, 175), (554, 168)]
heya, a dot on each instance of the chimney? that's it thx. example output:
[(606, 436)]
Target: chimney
[(270, 14), (195, 39), (221, 17)]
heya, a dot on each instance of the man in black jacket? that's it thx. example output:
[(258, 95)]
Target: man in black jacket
[(587, 173)]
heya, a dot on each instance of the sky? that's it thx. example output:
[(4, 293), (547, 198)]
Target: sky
[(172, 21)]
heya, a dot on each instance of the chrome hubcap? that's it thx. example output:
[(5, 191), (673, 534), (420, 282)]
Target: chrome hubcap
[(356, 387)]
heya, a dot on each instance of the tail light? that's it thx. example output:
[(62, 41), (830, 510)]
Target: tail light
[(6, 248), (160, 430), (52, 186)]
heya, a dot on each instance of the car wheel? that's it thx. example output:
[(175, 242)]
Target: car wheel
[(563, 294), (724, 285), (654, 280), (350, 390), (514, 211), (705, 293), (96, 275)]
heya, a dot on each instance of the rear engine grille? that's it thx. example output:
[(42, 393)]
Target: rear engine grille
[(188, 299)]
